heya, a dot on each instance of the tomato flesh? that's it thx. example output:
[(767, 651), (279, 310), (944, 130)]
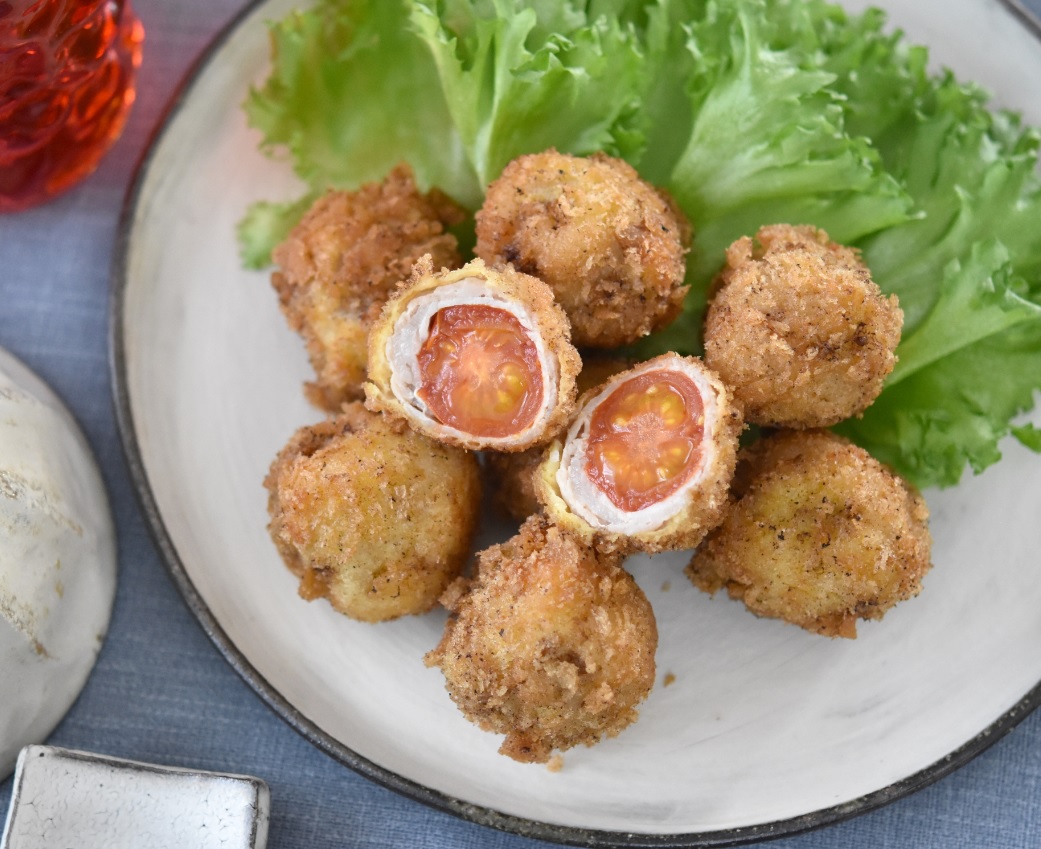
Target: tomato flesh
[(644, 439), (480, 371)]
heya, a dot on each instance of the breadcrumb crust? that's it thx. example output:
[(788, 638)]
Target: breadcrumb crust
[(820, 534), (551, 643), (611, 246), (798, 329), (371, 516), (343, 260)]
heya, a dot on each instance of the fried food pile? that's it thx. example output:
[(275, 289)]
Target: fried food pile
[(818, 533), (509, 369)]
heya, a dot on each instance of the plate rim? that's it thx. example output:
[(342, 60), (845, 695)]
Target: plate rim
[(322, 740)]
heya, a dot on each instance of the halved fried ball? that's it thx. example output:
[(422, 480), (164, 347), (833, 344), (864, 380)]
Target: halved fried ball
[(799, 330), (339, 265), (611, 246), (372, 516), (647, 460), (821, 534), (476, 357), (551, 643)]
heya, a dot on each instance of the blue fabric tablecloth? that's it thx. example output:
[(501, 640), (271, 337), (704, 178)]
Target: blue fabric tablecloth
[(161, 692)]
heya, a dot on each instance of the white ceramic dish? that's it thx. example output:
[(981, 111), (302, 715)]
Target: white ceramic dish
[(767, 730), (63, 797), (57, 560)]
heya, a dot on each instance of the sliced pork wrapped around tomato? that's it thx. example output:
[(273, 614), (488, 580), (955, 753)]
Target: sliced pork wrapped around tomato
[(475, 357), (647, 460)]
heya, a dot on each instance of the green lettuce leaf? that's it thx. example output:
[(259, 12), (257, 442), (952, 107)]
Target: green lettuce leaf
[(971, 172), (968, 368), (520, 77), (265, 224), (974, 179), (1028, 435), (977, 299), (352, 92), (966, 268), (767, 143)]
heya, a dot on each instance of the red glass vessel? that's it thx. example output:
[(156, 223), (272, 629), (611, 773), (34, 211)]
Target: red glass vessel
[(67, 71)]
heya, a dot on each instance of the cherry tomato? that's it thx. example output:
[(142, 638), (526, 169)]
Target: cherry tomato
[(645, 438), (480, 371)]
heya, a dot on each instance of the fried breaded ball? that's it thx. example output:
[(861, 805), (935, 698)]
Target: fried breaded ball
[(477, 357), (342, 261), (372, 516), (611, 246), (799, 330), (510, 475), (551, 644), (820, 534), (647, 460)]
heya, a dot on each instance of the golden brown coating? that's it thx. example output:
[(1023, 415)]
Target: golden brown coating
[(509, 479), (821, 534), (510, 476), (551, 643), (371, 516), (475, 357), (653, 474), (612, 247), (339, 265), (799, 330)]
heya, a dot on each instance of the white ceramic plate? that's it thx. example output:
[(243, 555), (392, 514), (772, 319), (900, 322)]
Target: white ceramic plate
[(766, 730)]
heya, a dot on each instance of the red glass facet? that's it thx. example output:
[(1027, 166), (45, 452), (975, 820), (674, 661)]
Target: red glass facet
[(66, 84)]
